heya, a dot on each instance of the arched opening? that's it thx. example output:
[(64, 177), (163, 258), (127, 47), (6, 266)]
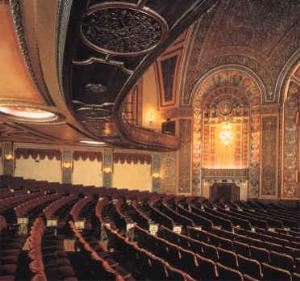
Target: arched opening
[(227, 131)]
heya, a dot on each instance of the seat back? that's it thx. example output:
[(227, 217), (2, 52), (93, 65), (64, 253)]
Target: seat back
[(227, 258), (250, 266), (206, 269), (274, 273), (282, 260), (241, 248), (260, 254), (229, 274)]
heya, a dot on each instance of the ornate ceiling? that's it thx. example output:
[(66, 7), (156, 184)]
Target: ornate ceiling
[(263, 37), (79, 60)]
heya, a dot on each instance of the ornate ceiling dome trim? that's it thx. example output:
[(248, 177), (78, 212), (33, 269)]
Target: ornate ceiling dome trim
[(122, 29), (25, 112), (39, 82), (228, 75)]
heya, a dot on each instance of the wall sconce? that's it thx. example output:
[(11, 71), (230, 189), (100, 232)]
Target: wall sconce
[(155, 175), (67, 165), (150, 117), (107, 170), (8, 156)]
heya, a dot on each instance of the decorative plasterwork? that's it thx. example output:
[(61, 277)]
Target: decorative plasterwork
[(122, 28), (87, 155), (8, 159), (175, 52), (107, 167), (225, 173), (37, 153), (16, 12), (291, 136), (184, 156), (22, 133), (241, 33), (168, 172), (233, 80), (269, 156), (131, 158), (67, 166), (167, 70), (155, 170), (25, 112), (63, 15), (229, 75)]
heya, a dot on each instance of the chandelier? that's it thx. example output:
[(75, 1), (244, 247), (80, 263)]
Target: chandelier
[(226, 134)]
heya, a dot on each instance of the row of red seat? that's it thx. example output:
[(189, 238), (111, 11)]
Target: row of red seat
[(212, 244)]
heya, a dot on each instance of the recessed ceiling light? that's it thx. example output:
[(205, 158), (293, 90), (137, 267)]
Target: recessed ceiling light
[(91, 142), (28, 113)]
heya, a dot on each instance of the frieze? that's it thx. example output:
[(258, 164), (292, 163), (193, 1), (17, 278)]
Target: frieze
[(225, 173)]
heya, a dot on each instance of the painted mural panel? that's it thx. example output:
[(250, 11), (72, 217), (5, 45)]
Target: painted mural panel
[(269, 156), (184, 154)]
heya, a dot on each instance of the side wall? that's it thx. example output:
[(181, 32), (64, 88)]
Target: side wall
[(85, 166)]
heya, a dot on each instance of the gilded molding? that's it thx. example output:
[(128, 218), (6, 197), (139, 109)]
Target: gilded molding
[(16, 12), (63, 15)]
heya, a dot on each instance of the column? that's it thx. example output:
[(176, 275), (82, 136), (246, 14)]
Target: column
[(67, 166), (8, 158), (107, 167), (155, 170)]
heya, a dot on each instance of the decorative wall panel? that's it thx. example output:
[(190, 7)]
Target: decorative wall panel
[(197, 151), (8, 158), (168, 67), (168, 172), (291, 142), (155, 172), (269, 159), (184, 156), (67, 169), (107, 168), (254, 166)]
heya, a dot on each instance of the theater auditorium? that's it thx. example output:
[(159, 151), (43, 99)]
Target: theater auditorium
[(152, 140)]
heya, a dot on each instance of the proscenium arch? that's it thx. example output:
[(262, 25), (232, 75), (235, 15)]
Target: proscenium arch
[(248, 81)]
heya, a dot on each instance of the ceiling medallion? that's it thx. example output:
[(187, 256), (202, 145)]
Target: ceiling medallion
[(122, 29), (29, 113)]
